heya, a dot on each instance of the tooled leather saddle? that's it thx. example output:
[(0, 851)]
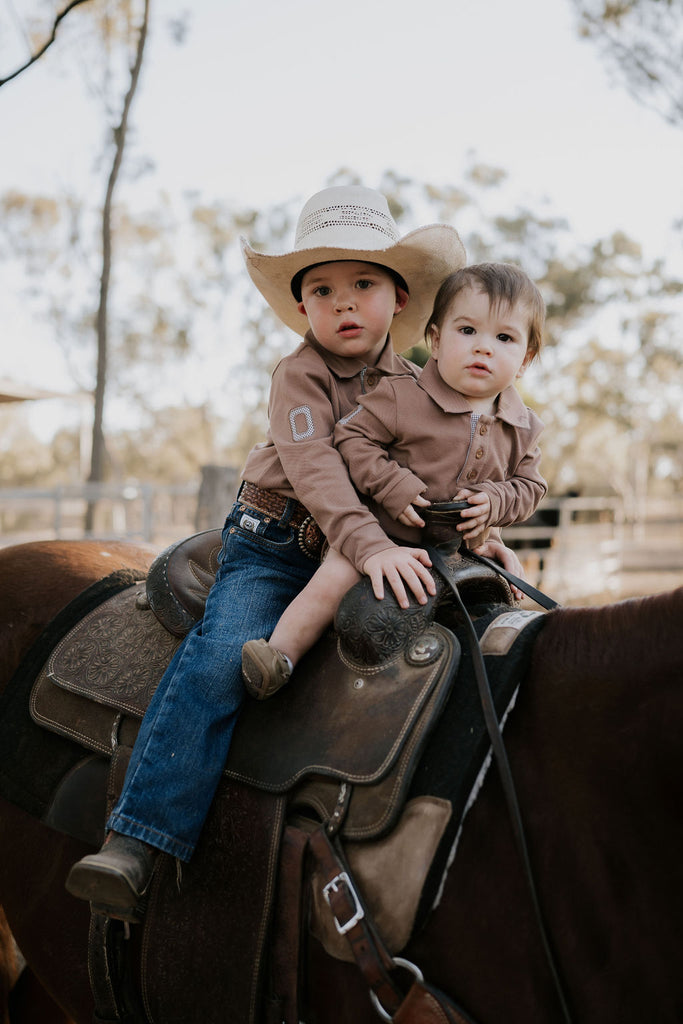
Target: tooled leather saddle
[(342, 741)]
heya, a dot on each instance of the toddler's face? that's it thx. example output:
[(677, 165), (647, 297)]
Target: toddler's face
[(481, 349), (350, 306)]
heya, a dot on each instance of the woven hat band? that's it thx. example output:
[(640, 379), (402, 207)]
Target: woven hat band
[(358, 225)]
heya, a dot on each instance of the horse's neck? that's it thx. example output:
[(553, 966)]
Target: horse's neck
[(604, 695), (621, 645)]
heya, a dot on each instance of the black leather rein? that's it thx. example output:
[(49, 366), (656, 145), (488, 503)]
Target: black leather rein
[(500, 754)]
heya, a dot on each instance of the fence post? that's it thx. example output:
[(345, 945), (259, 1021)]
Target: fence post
[(147, 511), (217, 492), (59, 494)]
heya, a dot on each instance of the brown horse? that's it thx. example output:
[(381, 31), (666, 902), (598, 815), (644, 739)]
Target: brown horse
[(593, 746), (37, 581)]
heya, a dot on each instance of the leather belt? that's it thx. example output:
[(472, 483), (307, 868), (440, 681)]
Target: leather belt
[(270, 503)]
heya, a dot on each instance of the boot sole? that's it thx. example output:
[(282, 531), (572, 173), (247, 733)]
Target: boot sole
[(108, 890)]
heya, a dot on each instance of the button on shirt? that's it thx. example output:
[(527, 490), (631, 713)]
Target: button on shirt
[(411, 437)]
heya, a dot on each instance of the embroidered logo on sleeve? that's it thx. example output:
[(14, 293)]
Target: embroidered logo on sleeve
[(354, 412), (301, 422)]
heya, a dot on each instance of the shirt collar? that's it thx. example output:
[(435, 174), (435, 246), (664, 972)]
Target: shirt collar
[(344, 367), (510, 407)]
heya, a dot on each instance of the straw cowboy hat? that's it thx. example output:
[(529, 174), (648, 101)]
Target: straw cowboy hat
[(354, 223)]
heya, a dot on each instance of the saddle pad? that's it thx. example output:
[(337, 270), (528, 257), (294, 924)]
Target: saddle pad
[(114, 657), (208, 922), (458, 751)]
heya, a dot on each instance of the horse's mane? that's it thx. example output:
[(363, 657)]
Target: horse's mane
[(614, 640)]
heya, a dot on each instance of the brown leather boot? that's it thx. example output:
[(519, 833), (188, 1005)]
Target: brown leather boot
[(264, 669), (116, 878)]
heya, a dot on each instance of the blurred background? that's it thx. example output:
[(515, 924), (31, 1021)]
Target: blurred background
[(140, 139)]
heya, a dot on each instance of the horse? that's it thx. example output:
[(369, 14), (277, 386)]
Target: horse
[(593, 747)]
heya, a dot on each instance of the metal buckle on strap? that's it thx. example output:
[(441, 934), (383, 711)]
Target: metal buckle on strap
[(408, 966), (334, 886)]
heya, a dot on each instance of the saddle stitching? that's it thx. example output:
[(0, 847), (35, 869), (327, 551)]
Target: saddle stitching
[(362, 668), (201, 574), (264, 924), (65, 730)]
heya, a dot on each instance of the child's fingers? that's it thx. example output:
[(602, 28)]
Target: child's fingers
[(480, 509), (475, 524), (395, 581), (421, 569), (377, 580), (418, 578), (409, 517)]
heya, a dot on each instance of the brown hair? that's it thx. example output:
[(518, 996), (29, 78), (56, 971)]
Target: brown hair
[(297, 280), (505, 285)]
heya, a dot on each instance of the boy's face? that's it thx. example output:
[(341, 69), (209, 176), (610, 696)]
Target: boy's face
[(350, 306), (481, 349)]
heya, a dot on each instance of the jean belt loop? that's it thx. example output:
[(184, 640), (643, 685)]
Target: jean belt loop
[(290, 509)]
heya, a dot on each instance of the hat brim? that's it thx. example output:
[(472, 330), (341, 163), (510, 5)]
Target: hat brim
[(423, 258)]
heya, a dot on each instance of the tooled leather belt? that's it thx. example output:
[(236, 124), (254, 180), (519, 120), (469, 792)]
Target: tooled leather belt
[(270, 503)]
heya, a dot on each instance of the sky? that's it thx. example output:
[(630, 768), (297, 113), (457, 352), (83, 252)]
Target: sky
[(266, 99)]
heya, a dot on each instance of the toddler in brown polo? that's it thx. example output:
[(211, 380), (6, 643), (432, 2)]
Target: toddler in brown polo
[(458, 432)]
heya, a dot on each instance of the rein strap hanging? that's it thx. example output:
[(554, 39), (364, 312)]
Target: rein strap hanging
[(500, 753)]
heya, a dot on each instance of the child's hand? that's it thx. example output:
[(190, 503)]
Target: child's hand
[(497, 550), (409, 516), (475, 518), (401, 565)]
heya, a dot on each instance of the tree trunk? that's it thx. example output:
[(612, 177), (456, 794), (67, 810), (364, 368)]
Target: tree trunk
[(98, 455)]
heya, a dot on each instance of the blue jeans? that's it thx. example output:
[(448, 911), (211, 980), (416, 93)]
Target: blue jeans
[(185, 735)]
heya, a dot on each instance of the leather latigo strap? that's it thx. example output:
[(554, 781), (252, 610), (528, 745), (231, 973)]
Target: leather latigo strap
[(426, 1005), (368, 950), (270, 503), (422, 1004)]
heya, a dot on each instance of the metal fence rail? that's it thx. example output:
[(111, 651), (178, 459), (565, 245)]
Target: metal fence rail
[(570, 546)]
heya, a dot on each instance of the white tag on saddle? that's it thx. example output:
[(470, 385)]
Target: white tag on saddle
[(503, 631), (249, 523)]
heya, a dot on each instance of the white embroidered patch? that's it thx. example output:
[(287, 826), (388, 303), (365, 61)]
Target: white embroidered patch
[(301, 410), (503, 631), (354, 412), (249, 523)]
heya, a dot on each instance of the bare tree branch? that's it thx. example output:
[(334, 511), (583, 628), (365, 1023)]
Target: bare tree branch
[(642, 40), (36, 56)]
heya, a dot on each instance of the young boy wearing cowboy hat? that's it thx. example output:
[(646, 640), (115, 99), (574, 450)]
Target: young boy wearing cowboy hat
[(348, 282)]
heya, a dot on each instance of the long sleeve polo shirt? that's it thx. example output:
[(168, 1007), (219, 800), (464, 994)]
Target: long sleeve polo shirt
[(311, 390), (411, 437)]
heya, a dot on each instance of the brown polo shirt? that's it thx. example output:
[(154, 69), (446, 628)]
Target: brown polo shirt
[(411, 437), (311, 390)]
